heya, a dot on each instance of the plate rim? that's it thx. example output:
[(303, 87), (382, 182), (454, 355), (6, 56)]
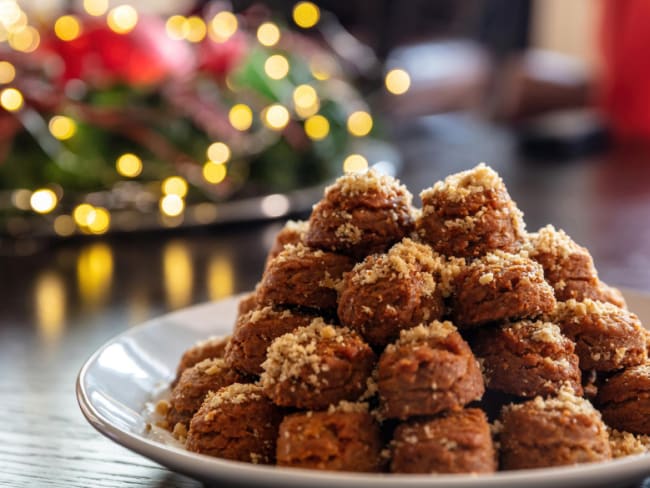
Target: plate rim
[(210, 468)]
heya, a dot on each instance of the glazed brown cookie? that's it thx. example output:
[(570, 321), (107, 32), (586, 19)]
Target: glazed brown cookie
[(624, 400), (607, 337), (361, 214), (430, 369), (556, 431), (569, 268), (239, 423), (316, 366), (390, 292), (343, 438), (501, 286), (194, 384), (254, 333), (470, 214), (527, 359), (300, 276), (457, 442), (210, 348)]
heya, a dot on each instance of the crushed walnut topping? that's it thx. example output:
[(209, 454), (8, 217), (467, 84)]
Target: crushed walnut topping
[(370, 181), (421, 333), (565, 403), (290, 353), (348, 407), (458, 186), (555, 242), (237, 393)]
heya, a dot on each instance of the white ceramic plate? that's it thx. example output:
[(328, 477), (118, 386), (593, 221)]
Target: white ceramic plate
[(123, 375)]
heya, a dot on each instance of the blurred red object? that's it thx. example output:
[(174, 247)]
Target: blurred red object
[(144, 56), (625, 93), (220, 58)]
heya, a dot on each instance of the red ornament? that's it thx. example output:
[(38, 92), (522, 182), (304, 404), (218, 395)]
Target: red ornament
[(143, 56), (220, 58)]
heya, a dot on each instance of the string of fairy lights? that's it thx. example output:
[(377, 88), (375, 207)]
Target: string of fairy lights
[(20, 36)]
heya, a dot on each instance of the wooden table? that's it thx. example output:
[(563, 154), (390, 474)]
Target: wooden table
[(60, 304)]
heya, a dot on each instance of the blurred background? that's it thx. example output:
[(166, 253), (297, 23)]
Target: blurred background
[(144, 146)]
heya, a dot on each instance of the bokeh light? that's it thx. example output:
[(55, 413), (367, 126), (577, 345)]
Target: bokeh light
[(122, 19), (25, 39), (172, 205), (268, 34), (218, 152), (276, 67), (20, 198), (223, 26), (64, 225), (359, 123), (317, 127), (306, 14), (67, 27), (83, 214), (62, 127), (398, 81), (128, 165), (95, 7), (100, 222), (43, 201), (305, 101), (355, 163), (276, 116), (174, 27), (7, 72), (174, 185), (214, 172), (240, 116), (194, 29), (11, 99)]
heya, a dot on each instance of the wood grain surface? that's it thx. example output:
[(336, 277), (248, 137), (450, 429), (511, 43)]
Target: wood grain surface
[(58, 304)]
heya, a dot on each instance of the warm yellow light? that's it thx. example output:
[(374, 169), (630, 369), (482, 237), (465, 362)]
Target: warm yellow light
[(223, 26), (129, 165), (20, 198), (64, 225), (305, 101), (84, 215), (359, 123), (178, 274), (276, 117), (214, 172), (194, 29), (174, 27), (50, 304), (355, 163), (240, 116), (174, 185), (11, 13), (96, 7), (172, 205), (276, 67), (306, 14), (43, 201), (62, 127), (268, 34), (218, 152), (317, 127), (7, 72), (67, 27), (100, 222), (94, 273), (122, 19), (25, 39), (221, 277), (398, 81), (11, 99)]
